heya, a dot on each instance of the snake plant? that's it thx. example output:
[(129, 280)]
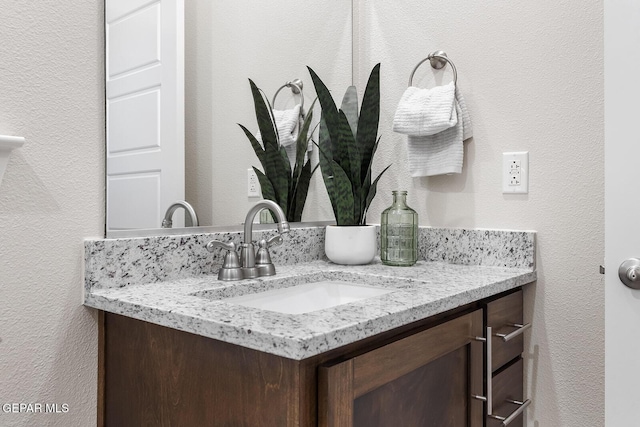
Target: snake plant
[(348, 142), (287, 187)]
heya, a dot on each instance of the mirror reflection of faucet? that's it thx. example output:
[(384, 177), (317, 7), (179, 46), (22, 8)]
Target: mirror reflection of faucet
[(190, 217), (251, 264)]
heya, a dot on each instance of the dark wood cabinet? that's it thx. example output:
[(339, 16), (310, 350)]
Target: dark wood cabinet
[(505, 318), (426, 379), (421, 374)]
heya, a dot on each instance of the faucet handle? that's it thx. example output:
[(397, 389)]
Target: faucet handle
[(275, 241), (263, 258), (230, 269), (214, 244)]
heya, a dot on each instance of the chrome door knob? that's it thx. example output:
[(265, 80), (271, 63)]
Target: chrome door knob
[(629, 273)]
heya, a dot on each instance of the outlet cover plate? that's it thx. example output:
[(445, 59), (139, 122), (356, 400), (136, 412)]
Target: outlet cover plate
[(515, 172), (253, 185)]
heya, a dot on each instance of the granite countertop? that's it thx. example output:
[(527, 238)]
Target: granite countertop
[(192, 304)]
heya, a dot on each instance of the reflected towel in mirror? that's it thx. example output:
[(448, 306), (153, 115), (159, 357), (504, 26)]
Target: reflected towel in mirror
[(289, 122)]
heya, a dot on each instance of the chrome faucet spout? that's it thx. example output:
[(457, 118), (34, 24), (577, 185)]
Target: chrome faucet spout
[(191, 219), (283, 224), (249, 269)]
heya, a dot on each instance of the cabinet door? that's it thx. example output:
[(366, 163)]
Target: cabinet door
[(426, 379)]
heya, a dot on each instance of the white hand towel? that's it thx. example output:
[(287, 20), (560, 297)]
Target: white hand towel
[(467, 131), (423, 112), (287, 125), (443, 152), (291, 149)]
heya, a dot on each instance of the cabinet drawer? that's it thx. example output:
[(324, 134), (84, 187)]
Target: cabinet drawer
[(507, 385), (502, 314)]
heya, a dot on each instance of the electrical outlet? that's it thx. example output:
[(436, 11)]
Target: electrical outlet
[(253, 185), (515, 172)]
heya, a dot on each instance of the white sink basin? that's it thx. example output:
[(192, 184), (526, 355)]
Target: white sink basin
[(308, 297)]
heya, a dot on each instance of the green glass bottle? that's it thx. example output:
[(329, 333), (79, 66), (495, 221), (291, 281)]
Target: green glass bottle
[(399, 232)]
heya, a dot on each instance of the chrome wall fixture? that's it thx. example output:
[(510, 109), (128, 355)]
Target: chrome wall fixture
[(629, 273), (438, 60), (296, 87), (190, 219)]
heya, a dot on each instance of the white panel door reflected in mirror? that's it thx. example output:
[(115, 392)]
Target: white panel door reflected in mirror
[(225, 44), (144, 110)]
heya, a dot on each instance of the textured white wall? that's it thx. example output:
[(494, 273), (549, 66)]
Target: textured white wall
[(532, 76), (52, 196)]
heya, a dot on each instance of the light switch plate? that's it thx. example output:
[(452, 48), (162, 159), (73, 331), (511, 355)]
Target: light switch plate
[(515, 172)]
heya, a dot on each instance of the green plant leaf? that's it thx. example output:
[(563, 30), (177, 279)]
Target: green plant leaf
[(276, 170), (343, 196), (297, 194), (371, 194), (326, 168), (350, 107), (329, 109), (286, 164), (367, 177), (302, 142), (265, 186), (257, 148), (369, 119), (347, 150), (264, 117), (324, 139), (347, 140), (275, 167), (278, 182), (300, 196)]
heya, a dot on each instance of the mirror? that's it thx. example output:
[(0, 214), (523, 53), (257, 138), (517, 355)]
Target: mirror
[(225, 44)]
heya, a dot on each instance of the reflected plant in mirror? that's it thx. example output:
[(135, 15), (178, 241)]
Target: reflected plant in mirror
[(284, 181), (215, 46)]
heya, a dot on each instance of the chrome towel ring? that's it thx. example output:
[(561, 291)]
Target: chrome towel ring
[(438, 61), (296, 87)]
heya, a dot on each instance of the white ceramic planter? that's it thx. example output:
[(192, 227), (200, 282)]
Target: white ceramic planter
[(351, 245)]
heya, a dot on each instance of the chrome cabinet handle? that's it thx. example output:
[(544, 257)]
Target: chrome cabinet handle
[(507, 420), (512, 335), (488, 362)]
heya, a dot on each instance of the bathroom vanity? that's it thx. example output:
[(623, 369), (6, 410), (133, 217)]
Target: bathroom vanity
[(175, 352)]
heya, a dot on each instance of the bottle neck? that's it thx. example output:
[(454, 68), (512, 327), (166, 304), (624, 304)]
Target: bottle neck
[(400, 199)]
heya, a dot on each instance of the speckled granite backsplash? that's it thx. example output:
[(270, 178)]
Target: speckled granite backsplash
[(113, 263)]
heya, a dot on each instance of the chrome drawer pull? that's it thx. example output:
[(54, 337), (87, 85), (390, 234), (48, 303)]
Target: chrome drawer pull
[(507, 420), (487, 357), (512, 335)]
